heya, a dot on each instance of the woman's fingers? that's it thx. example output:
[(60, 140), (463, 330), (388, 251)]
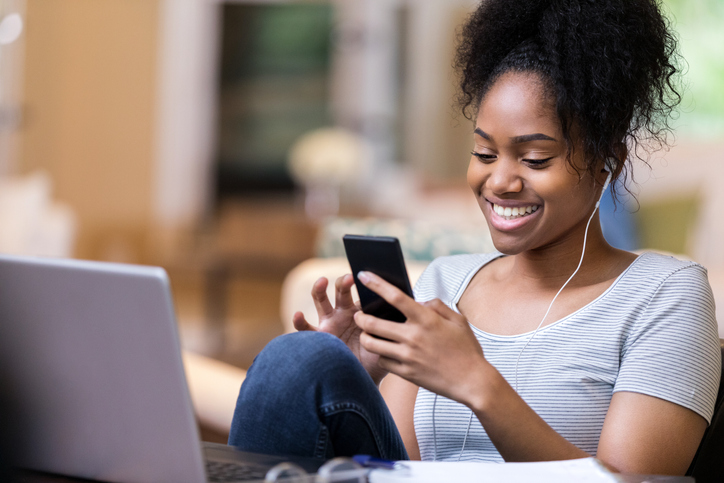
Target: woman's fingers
[(321, 301), (378, 327), (391, 294), (343, 292), (393, 365), (441, 309), (300, 323), (384, 348)]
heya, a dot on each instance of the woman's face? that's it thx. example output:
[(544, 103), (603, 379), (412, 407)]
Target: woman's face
[(531, 197)]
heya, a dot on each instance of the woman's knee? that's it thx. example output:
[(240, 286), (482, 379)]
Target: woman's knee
[(306, 353)]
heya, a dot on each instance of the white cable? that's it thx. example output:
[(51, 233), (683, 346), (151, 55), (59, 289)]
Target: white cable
[(434, 433), (585, 236), (580, 262), (467, 431)]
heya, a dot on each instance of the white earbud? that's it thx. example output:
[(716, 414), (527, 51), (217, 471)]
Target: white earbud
[(609, 167)]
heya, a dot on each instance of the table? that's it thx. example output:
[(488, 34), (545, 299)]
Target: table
[(34, 477)]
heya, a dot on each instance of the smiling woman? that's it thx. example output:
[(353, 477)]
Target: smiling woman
[(521, 161), (558, 346)]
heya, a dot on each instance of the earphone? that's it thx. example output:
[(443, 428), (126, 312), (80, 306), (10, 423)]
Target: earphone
[(609, 167)]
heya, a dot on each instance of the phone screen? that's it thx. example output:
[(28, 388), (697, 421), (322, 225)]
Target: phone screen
[(382, 256)]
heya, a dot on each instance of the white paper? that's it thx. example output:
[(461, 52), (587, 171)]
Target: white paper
[(586, 470)]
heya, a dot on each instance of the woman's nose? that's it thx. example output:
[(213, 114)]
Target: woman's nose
[(505, 177)]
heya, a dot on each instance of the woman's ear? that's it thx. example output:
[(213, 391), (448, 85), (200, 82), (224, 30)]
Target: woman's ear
[(613, 165), (606, 171)]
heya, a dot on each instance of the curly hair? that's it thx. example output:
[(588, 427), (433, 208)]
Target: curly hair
[(611, 66)]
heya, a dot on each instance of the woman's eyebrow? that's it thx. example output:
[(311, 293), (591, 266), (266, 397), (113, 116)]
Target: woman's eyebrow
[(482, 133), (531, 137), (517, 139)]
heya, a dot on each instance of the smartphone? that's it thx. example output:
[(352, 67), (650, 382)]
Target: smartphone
[(382, 256)]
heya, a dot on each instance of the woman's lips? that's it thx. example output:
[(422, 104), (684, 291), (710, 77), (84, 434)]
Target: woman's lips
[(507, 218)]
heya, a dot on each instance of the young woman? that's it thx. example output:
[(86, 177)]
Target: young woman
[(558, 346)]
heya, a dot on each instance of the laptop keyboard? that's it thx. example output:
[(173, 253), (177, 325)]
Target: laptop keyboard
[(217, 471)]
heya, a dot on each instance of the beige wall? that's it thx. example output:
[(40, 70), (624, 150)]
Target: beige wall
[(90, 84), (438, 138)]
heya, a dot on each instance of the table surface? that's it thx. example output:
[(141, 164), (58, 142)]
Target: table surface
[(34, 477)]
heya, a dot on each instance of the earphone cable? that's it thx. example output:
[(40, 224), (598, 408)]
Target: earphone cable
[(467, 432), (434, 433), (580, 262)]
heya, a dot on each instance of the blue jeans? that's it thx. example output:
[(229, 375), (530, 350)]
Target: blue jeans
[(307, 395)]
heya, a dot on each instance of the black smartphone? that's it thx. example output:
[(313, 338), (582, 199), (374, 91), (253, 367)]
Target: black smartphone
[(382, 256)]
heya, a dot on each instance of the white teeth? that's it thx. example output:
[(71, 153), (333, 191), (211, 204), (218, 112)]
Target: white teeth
[(512, 213)]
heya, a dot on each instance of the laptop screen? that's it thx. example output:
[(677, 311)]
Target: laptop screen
[(91, 352)]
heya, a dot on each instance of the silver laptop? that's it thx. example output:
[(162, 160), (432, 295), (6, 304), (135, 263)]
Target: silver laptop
[(92, 356)]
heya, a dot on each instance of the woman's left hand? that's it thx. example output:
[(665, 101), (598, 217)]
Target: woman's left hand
[(435, 348)]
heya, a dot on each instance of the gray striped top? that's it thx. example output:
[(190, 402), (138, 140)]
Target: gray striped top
[(652, 332)]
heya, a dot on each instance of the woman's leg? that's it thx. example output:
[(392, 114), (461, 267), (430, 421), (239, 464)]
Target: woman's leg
[(307, 395)]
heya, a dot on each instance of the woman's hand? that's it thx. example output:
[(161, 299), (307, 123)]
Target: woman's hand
[(435, 349), (338, 320)]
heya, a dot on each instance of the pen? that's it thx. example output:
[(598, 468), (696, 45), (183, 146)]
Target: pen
[(377, 463)]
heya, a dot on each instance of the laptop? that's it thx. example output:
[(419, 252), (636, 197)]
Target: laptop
[(90, 353)]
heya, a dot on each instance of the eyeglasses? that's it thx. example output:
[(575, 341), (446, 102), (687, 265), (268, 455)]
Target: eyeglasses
[(337, 470)]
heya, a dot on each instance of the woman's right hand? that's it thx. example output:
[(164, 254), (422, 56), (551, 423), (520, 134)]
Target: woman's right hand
[(338, 320)]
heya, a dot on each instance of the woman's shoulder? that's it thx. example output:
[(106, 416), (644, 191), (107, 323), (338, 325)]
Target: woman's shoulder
[(655, 268), (446, 276), (664, 260), (657, 277), (671, 345)]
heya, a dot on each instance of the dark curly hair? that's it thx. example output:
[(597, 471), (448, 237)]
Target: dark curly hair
[(610, 65)]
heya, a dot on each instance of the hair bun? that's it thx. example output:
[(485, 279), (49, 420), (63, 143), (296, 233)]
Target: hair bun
[(610, 63)]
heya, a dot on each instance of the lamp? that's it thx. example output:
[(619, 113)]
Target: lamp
[(11, 26), (323, 161)]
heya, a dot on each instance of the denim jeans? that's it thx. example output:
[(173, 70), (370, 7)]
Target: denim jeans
[(306, 394)]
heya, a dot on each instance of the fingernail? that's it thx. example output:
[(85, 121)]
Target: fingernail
[(363, 277)]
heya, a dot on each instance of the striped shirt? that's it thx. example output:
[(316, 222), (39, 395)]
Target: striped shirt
[(652, 332)]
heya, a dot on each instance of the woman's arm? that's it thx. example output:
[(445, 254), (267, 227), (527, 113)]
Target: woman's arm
[(436, 349), (400, 396), (641, 434), (517, 431), (647, 435)]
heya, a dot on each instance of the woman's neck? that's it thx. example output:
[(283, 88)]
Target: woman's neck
[(550, 266)]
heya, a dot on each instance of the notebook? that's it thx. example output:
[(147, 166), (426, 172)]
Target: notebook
[(90, 353)]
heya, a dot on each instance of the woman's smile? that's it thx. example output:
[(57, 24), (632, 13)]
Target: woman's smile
[(508, 216), (531, 193)]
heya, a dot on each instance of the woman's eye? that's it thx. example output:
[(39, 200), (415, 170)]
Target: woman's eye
[(483, 157), (537, 162)]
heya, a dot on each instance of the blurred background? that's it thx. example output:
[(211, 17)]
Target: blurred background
[(232, 141)]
